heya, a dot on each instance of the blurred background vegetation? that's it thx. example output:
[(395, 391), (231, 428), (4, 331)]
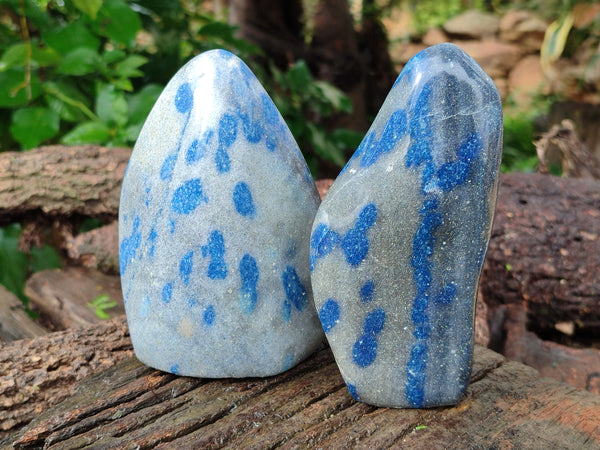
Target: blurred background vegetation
[(89, 71)]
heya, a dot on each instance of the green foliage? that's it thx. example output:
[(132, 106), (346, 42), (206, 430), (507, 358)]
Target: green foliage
[(518, 153), (100, 304), (68, 75), (304, 103), (16, 266)]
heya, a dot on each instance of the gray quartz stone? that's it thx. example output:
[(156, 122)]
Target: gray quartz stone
[(398, 243), (214, 227)]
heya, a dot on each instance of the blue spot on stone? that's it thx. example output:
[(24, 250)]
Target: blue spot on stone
[(322, 242), (152, 239), (249, 275), (374, 322), (209, 315), (365, 349), (192, 302), (145, 308), (353, 391), (252, 129), (294, 289), (242, 199), (355, 243), (394, 129), (166, 170), (288, 362), (329, 314), (172, 226), (447, 295), (286, 310), (215, 248), (270, 113), (227, 136), (415, 374), (129, 246), (366, 291), (197, 148), (167, 292), (174, 369), (184, 98), (454, 173), (185, 267), (188, 197)]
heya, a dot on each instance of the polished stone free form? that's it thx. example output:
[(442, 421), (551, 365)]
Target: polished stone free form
[(214, 223), (399, 241)]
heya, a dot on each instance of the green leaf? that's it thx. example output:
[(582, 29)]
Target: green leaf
[(80, 61), (87, 133), (111, 106), (44, 258), (16, 56), (88, 7), (14, 92), (72, 36), (128, 68), (123, 84), (113, 56), (299, 77), (324, 147), (32, 126), (334, 97), (117, 21), (13, 263), (142, 102), (67, 101), (346, 139)]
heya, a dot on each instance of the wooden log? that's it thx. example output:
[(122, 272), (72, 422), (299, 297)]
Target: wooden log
[(507, 405), (61, 181), (15, 323), (38, 373), (545, 251), (63, 296)]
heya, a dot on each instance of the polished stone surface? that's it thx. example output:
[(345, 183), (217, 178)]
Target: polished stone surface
[(214, 224), (399, 241)]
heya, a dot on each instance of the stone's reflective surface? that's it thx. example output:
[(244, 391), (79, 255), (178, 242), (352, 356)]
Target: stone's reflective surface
[(216, 210), (399, 241)]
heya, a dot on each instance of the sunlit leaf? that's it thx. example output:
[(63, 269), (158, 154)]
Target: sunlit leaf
[(88, 7), (87, 133)]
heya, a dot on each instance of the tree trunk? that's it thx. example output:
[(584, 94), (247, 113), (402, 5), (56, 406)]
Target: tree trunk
[(273, 25)]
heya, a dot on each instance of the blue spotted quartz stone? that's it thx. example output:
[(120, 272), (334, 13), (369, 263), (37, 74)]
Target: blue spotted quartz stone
[(398, 243), (216, 210)]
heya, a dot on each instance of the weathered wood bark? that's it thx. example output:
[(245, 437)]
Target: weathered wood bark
[(96, 249), (132, 406), (545, 251), (59, 181), (62, 296), (38, 373), (15, 323)]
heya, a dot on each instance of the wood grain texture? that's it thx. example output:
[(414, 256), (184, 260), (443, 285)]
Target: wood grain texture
[(507, 405), (38, 373), (15, 323), (62, 296)]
